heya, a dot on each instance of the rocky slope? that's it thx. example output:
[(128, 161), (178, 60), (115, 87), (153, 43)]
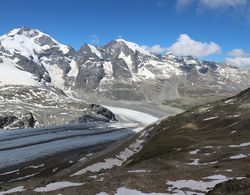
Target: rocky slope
[(117, 70), (231, 187), (37, 106), (185, 154)]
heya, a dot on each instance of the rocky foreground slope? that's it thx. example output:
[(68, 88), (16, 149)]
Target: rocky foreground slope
[(36, 106), (185, 154), (118, 70)]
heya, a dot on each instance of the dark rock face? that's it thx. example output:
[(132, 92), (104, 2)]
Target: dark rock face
[(96, 113), (120, 69), (90, 75), (7, 120), (45, 40), (30, 66), (26, 120), (100, 110), (28, 32), (232, 187)]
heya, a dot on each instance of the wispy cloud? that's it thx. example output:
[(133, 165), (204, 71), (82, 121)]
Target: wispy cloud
[(238, 53), (182, 4), (211, 4), (235, 8), (94, 39), (161, 3), (155, 49), (218, 4), (185, 46), (238, 57)]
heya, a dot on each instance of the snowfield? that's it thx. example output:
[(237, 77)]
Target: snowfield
[(11, 74), (133, 116)]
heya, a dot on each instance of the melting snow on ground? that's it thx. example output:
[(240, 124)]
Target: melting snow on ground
[(139, 171), (102, 193), (13, 190), (196, 162), (57, 186), (197, 187), (239, 156), (210, 118), (126, 191), (194, 152), (111, 162), (240, 145)]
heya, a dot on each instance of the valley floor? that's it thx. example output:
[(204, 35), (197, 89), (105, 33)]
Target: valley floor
[(42, 152)]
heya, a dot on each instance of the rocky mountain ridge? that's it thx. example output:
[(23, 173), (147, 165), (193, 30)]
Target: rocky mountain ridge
[(117, 70)]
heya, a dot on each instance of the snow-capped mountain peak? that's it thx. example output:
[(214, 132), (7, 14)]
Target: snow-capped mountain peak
[(133, 46), (30, 50), (26, 41), (119, 69)]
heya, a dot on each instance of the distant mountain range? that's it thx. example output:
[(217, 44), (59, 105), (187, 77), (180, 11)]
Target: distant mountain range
[(117, 70)]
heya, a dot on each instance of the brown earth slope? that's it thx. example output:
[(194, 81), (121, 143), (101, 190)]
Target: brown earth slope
[(186, 154)]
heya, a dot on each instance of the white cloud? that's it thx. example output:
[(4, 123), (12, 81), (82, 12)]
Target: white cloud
[(238, 53), (181, 4), (94, 39), (238, 58), (185, 46), (211, 4), (239, 61), (155, 49), (217, 4)]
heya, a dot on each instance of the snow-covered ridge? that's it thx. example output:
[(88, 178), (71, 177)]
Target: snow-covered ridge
[(25, 54), (35, 58), (134, 46), (95, 51), (26, 42)]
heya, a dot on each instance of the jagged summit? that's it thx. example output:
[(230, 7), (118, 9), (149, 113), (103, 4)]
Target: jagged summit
[(24, 30), (117, 43), (118, 70)]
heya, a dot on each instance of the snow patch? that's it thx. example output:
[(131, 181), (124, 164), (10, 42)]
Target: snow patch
[(240, 145), (210, 118), (193, 186), (102, 193), (126, 191), (74, 69), (194, 152), (57, 186), (239, 156), (14, 190), (111, 162), (139, 171), (196, 163), (95, 51)]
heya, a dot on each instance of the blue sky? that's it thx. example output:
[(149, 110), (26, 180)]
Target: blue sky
[(158, 23)]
